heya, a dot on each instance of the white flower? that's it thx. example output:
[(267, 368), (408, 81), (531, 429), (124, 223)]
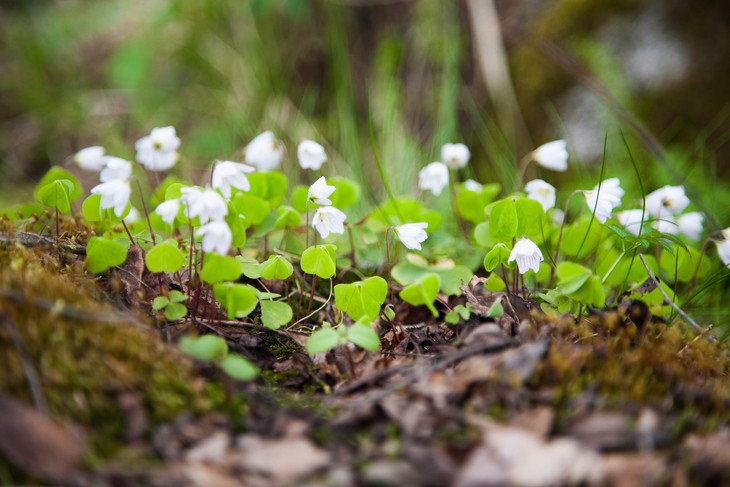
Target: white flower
[(455, 155), (229, 174), (320, 191), (472, 185), (158, 150), (690, 224), (666, 201), (412, 234), (264, 152), (604, 201), (328, 219), (553, 155), (527, 254), (723, 247), (311, 155), (217, 237), (91, 158), (557, 216), (114, 194), (168, 210), (115, 168), (434, 177), (132, 216), (542, 192), (206, 205), (631, 220)]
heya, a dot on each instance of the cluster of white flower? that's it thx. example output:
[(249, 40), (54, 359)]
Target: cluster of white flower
[(327, 219), (435, 176), (665, 207)]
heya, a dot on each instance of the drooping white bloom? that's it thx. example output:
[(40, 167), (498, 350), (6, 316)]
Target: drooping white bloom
[(133, 215), (542, 192), (328, 219), (311, 155), (690, 224), (472, 185), (604, 201), (168, 210), (412, 234), (227, 174), (631, 220), (217, 237), (115, 168), (723, 247), (264, 152), (91, 158), (114, 194), (320, 191), (666, 201), (434, 177), (206, 205), (527, 254), (158, 150), (455, 156), (552, 155)]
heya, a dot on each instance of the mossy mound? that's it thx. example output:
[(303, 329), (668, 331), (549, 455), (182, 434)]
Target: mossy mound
[(87, 355)]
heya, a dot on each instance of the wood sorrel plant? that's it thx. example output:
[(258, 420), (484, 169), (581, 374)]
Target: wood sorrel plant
[(243, 239)]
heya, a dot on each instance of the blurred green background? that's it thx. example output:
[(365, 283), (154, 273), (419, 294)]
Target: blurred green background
[(104, 72)]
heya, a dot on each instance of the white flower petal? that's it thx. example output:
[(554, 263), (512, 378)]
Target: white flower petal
[(264, 152), (455, 156), (552, 155), (542, 192), (311, 155), (412, 234), (328, 219), (217, 237), (527, 254), (91, 158), (434, 177)]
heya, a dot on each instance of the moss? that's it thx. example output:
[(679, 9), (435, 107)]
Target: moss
[(85, 352)]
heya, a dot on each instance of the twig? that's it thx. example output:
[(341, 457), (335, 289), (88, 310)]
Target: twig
[(30, 374), (672, 303)]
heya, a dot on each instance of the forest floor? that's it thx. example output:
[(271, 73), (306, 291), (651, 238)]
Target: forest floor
[(94, 391)]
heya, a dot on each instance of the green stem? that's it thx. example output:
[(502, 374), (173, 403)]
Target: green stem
[(560, 237)]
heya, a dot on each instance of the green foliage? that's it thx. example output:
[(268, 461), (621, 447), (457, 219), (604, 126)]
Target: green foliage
[(580, 284), (319, 260), (347, 192), (503, 220), (277, 267), (270, 186), (323, 339), (57, 173), (254, 208), (327, 338), (498, 255), (275, 314), (460, 312), (102, 254), (577, 236), (362, 298), (165, 257), (287, 217), (363, 336), (683, 264), (91, 209), (174, 309), (219, 268), (451, 275), (409, 209), (238, 367), (238, 299), (56, 194), (470, 204), (212, 348), (423, 292)]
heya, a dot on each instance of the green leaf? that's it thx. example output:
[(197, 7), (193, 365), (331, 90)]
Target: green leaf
[(299, 198), (177, 297), (275, 314), (495, 310), (238, 367), (482, 236), (238, 299), (530, 219), (317, 260), (575, 234), (363, 336), (494, 284), (175, 311), (470, 204), (571, 277), (160, 302), (684, 262), (102, 254), (57, 173), (503, 220), (423, 292), (277, 267), (363, 298), (250, 267), (322, 340), (219, 268), (237, 224), (56, 195), (346, 193), (252, 207), (498, 255), (287, 217), (165, 257), (206, 347), (451, 276)]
